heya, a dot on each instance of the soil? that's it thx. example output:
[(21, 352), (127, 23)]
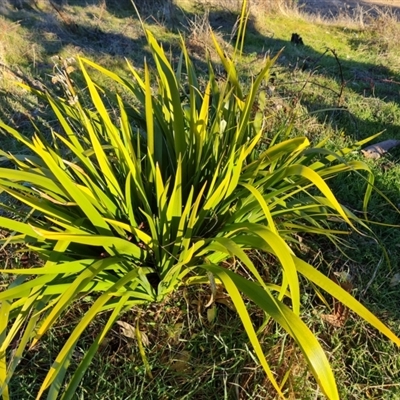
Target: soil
[(332, 8)]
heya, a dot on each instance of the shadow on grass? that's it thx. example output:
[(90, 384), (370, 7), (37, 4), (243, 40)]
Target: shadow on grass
[(338, 83), (54, 29), (107, 32)]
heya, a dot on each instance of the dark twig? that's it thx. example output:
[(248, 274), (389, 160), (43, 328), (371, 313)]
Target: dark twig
[(342, 81), (308, 79)]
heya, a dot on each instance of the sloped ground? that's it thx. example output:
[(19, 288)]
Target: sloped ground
[(331, 8)]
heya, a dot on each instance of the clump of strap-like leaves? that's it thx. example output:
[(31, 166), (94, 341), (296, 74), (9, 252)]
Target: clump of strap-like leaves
[(130, 210)]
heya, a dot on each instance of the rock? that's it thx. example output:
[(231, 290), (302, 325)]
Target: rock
[(377, 150)]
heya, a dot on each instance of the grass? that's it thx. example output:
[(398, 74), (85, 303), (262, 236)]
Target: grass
[(341, 86)]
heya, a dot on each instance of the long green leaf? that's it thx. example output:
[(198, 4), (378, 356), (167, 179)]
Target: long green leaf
[(232, 288), (84, 364), (71, 188), (85, 321), (343, 296), (307, 342)]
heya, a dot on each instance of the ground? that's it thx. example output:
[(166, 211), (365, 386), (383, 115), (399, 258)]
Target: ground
[(333, 7)]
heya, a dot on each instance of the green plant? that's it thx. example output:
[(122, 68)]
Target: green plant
[(129, 209)]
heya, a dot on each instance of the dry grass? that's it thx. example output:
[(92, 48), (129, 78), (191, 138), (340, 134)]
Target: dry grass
[(385, 28), (381, 20), (255, 6)]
